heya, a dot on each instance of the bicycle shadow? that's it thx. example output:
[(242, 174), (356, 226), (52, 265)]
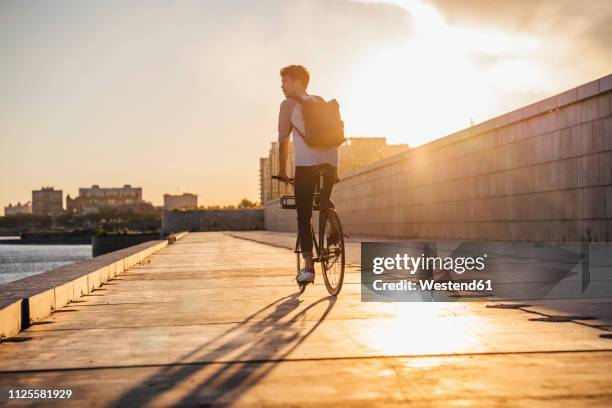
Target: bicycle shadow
[(266, 342)]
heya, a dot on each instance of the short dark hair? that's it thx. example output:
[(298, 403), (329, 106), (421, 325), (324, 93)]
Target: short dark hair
[(296, 72)]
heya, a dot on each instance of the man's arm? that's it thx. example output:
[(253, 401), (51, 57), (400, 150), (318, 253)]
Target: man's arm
[(284, 130), (283, 154)]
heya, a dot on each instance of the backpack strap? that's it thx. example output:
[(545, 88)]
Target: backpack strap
[(297, 130), (299, 101)]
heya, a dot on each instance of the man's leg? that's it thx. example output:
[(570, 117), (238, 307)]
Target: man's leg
[(306, 178), (329, 179)]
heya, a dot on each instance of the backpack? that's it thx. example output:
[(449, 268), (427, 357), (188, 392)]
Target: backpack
[(322, 124)]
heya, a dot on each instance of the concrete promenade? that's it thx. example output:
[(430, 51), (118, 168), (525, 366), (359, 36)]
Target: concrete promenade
[(215, 320)]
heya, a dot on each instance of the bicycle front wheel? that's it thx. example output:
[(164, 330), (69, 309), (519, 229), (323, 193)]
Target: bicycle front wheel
[(333, 253)]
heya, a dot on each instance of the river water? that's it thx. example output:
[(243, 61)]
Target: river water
[(20, 261)]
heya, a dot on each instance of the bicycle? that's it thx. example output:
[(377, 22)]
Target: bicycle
[(329, 248)]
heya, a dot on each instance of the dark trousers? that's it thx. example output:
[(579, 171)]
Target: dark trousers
[(306, 182)]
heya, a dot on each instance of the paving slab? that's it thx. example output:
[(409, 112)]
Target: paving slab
[(216, 320)]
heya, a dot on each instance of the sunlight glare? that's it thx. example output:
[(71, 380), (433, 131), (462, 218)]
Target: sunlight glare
[(425, 328), (437, 80)]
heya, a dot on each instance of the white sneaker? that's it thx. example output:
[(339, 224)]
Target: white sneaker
[(306, 276)]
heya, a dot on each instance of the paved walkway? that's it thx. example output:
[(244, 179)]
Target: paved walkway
[(214, 319)]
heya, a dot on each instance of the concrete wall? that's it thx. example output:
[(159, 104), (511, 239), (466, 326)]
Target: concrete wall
[(277, 219), (213, 220), (542, 172), (103, 244)]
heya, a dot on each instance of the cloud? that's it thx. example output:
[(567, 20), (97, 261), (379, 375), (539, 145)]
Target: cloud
[(578, 29), (479, 59)]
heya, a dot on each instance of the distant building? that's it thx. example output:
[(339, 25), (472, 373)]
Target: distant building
[(90, 200), (18, 209), (264, 179), (47, 201), (355, 153), (185, 201), (268, 167)]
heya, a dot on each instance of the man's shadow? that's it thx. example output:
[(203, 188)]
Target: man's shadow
[(266, 341)]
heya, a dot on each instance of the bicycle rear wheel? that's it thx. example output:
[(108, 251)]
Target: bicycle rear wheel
[(333, 253)]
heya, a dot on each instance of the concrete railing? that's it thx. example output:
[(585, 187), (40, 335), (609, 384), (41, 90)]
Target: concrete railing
[(542, 172), (28, 300)]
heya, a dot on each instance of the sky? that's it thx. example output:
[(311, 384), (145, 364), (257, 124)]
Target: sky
[(183, 96)]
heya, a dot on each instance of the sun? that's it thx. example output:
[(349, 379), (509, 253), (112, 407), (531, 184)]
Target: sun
[(439, 80)]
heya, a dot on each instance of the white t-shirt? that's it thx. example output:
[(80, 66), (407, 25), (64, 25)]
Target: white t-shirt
[(289, 118)]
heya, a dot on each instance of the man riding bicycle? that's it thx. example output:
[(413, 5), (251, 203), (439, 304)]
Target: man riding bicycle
[(308, 160)]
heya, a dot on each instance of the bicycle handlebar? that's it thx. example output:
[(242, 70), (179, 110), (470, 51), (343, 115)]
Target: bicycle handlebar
[(280, 179), (291, 180)]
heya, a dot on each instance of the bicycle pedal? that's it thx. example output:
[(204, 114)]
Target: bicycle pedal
[(302, 286)]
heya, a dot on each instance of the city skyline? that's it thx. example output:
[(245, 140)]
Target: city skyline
[(186, 94), (127, 193)]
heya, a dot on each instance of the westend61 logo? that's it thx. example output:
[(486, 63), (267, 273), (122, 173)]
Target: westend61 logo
[(451, 271), (421, 272), (426, 265)]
